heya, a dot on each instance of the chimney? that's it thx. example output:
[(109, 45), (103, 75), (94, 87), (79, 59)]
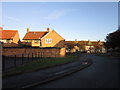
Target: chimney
[(1, 28), (48, 29), (27, 30)]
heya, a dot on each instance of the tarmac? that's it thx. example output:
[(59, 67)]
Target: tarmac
[(31, 79)]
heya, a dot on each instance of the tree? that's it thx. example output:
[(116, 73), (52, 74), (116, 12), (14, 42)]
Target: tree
[(113, 40)]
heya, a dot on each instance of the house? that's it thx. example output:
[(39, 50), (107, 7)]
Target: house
[(48, 38), (9, 36), (74, 49), (71, 46), (93, 46), (86, 46)]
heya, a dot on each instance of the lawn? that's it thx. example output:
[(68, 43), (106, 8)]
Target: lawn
[(41, 64)]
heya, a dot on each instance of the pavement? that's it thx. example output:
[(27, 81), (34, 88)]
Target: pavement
[(31, 79)]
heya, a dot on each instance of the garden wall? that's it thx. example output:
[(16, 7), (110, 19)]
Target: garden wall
[(43, 52)]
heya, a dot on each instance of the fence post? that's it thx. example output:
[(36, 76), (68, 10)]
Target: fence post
[(43, 54), (36, 55), (32, 56), (55, 54), (15, 61), (50, 54), (22, 58), (28, 57), (39, 55), (3, 63)]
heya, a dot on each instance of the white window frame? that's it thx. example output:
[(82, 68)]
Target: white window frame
[(48, 40)]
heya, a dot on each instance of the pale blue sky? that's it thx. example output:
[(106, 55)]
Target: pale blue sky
[(72, 20)]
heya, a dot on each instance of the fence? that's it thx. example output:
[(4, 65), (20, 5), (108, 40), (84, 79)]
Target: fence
[(13, 61)]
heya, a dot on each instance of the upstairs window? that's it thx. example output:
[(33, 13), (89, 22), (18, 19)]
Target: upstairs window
[(48, 40)]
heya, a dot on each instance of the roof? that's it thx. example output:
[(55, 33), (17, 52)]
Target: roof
[(52, 32), (7, 34), (77, 42), (34, 35), (94, 43)]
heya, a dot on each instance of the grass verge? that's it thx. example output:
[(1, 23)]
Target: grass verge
[(41, 64)]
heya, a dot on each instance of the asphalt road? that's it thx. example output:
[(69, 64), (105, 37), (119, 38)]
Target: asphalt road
[(103, 73)]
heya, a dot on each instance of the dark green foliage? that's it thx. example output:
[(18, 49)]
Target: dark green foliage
[(113, 40), (24, 45)]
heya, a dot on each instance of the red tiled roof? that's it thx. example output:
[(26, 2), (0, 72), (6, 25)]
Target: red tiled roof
[(7, 34), (34, 35)]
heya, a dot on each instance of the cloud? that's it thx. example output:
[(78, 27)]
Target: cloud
[(55, 15), (13, 19), (58, 14)]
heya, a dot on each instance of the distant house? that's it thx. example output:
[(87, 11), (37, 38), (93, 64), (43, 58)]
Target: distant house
[(86, 46), (74, 49), (49, 38), (71, 47), (9, 36)]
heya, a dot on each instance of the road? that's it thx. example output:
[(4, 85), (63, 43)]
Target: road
[(103, 73)]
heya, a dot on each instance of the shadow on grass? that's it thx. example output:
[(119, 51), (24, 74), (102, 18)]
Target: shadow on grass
[(43, 63)]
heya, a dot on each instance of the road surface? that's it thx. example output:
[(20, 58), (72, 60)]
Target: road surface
[(103, 73)]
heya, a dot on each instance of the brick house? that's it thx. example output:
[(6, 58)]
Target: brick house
[(49, 38), (86, 46), (9, 36)]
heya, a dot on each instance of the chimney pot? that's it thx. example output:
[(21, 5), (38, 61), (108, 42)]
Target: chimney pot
[(27, 30), (48, 29), (1, 28)]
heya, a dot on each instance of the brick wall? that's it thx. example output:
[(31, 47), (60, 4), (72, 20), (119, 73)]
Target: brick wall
[(9, 45), (45, 52)]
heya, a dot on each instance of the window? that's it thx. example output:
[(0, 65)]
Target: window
[(8, 41), (48, 40), (36, 41), (29, 41)]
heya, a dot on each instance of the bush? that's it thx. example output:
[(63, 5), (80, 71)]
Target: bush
[(24, 45)]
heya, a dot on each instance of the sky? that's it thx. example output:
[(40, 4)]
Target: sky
[(72, 20)]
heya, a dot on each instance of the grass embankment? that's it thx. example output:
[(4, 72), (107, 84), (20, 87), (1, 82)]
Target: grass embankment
[(41, 64)]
